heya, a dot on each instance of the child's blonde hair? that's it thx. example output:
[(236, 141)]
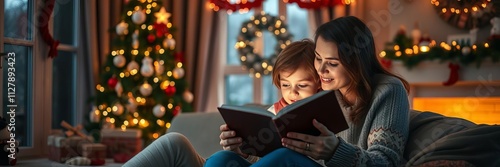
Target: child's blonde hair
[(294, 56)]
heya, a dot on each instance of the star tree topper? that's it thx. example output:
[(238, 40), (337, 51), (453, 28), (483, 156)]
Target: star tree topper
[(162, 16)]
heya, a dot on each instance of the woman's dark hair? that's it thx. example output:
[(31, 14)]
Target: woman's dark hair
[(357, 54)]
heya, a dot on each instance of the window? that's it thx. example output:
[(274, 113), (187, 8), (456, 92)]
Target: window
[(240, 87), (45, 88)]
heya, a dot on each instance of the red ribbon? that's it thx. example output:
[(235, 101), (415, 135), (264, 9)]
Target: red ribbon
[(43, 21)]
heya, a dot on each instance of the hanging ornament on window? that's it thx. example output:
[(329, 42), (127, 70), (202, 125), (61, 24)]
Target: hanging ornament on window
[(146, 89), (178, 72), (117, 109), (147, 69), (139, 17), (119, 61), (122, 28), (135, 39), (255, 63), (159, 110), (119, 89)]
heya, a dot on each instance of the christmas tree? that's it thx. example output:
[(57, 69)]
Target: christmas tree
[(142, 83)]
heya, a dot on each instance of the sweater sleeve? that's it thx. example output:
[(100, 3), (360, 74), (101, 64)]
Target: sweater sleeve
[(386, 127)]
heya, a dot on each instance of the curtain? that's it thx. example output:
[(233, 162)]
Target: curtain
[(197, 35), (96, 18)]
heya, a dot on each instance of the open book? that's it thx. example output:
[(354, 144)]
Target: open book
[(262, 131)]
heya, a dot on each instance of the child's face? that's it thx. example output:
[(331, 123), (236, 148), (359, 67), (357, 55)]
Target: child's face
[(297, 85)]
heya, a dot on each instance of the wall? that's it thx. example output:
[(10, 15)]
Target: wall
[(384, 17)]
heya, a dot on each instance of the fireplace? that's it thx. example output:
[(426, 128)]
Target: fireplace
[(475, 97)]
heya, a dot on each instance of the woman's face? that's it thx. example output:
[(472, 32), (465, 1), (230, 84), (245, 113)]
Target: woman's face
[(297, 85), (332, 73)]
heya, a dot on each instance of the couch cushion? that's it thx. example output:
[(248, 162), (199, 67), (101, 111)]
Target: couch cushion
[(202, 130)]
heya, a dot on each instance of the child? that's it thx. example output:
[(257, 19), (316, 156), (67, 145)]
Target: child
[(294, 74)]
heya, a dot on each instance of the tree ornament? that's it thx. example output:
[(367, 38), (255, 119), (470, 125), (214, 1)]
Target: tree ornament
[(119, 61), (112, 82), (161, 29), (119, 89), (162, 16), (146, 89), (147, 69), (177, 110), (466, 50), (170, 90), (131, 106), (159, 110), (135, 39), (95, 115), (159, 68), (169, 43), (151, 38), (122, 28), (187, 96), (139, 17), (133, 65), (178, 72), (117, 109)]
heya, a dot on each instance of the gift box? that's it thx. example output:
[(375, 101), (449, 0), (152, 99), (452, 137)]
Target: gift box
[(121, 142), (62, 148), (94, 151)]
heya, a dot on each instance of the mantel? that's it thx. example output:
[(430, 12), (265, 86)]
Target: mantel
[(434, 73)]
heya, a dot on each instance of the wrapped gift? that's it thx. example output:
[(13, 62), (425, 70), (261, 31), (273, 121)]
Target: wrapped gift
[(94, 151), (121, 142), (62, 148)]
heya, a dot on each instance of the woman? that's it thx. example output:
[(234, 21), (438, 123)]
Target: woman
[(374, 102)]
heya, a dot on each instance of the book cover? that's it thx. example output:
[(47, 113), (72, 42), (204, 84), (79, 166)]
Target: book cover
[(262, 131)]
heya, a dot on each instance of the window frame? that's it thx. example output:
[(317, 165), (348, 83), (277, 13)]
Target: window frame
[(41, 76)]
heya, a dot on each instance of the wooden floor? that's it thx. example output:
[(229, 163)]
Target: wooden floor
[(47, 163)]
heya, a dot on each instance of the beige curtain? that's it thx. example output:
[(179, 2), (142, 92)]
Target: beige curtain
[(198, 35), (96, 18)]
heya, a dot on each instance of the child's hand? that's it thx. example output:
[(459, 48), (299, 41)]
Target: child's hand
[(229, 141)]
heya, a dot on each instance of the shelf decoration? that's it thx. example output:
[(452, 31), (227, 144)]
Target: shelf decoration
[(456, 53), (257, 64)]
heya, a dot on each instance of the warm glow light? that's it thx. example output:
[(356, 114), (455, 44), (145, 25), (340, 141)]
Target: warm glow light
[(396, 47), (382, 54), (155, 135), (424, 49), (480, 110)]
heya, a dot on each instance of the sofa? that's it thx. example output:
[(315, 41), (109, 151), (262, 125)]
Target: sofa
[(434, 140)]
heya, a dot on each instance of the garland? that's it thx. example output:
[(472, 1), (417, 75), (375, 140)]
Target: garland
[(255, 63), (43, 21), (319, 3), (217, 5), (225, 4)]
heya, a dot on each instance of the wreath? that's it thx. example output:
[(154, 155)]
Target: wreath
[(256, 64)]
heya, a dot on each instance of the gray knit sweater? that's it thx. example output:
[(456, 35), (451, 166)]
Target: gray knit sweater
[(380, 140)]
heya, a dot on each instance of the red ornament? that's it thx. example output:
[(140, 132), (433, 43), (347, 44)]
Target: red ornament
[(151, 38), (112, 82), (170, 90), (386, 63), (176, 110), (161, 29), (179, 57)]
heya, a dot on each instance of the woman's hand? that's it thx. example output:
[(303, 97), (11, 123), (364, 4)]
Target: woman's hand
[(229, 141), (317, 147)]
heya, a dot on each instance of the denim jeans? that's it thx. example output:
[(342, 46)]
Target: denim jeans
[(278, 158)]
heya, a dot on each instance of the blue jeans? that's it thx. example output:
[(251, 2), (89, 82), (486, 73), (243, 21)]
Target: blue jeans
[(278, 158)]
